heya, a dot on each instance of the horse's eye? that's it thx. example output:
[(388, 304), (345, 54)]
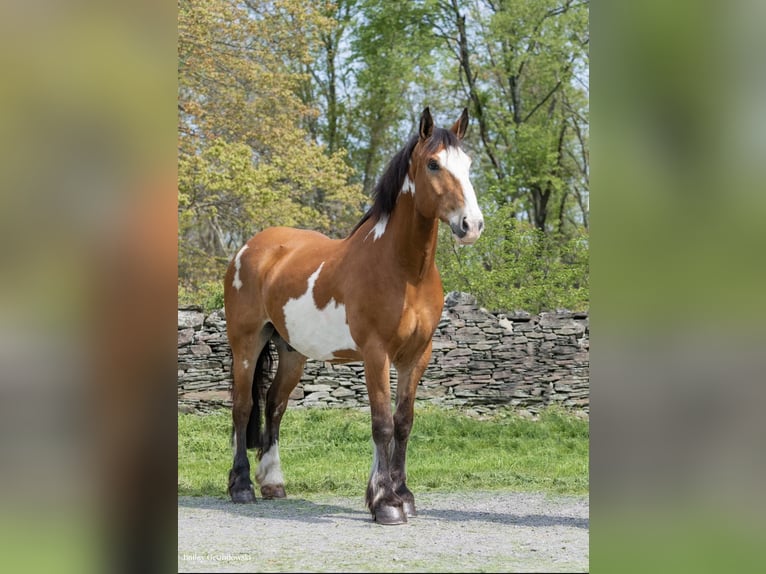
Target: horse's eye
[(433, 165)]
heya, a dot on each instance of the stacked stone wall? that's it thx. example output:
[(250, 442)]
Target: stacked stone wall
[(481, 360)]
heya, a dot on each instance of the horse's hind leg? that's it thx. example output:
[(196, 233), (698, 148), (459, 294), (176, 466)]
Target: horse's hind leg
[(269, 472), (246, 350)]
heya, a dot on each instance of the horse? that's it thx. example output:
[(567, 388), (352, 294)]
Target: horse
[(375, 296)]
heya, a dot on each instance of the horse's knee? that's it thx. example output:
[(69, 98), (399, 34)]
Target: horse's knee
[(382, 430)]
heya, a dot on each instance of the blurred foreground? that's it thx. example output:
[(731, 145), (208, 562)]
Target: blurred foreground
[(678, 317), (88, 227)]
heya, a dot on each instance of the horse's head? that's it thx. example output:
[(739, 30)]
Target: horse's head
[(441, 187)]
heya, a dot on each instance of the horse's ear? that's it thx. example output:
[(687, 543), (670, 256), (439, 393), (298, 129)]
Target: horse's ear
[(426, 124), (461, 125)]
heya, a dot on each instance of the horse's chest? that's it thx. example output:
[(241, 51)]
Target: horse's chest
[(418, 324)]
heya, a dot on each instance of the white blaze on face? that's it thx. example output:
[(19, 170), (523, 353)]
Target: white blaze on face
[(457, 162), (237, 283), (269, 469), (317, 333)]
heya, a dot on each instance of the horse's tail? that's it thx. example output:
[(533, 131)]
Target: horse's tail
[(261, 374)]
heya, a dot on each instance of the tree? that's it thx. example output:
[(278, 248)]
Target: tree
[(245, 162), (288, 112), (522, 65)]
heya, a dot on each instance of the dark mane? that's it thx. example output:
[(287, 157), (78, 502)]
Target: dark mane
[(386, 191)]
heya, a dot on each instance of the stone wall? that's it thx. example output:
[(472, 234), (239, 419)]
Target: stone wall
[(481, 360)]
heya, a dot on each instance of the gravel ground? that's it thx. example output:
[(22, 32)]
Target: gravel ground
[(456, 532)]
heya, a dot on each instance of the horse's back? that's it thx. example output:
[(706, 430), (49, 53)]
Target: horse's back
[(276, 245), (279, 249), (288, 235)]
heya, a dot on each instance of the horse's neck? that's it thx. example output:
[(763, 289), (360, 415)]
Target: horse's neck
[(413, 238)]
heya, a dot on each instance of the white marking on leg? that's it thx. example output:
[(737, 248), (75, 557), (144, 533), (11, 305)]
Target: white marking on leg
[(269, 469), (377, 492), (245, 363), (317, 333), (237, 283), (379, 229), (375, 475)]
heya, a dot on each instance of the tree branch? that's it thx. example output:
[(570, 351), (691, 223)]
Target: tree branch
[(542, 102)]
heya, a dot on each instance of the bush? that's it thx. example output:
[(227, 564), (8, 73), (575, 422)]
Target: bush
[(515, 266), (208, 295)]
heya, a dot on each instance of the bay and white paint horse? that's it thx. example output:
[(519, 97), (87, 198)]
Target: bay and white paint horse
[(375, 296)]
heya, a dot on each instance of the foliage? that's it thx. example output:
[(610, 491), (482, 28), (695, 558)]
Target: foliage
[(529, 94), (328, 451), (244, 161), (289, 110), (519, 267), (208, 295)]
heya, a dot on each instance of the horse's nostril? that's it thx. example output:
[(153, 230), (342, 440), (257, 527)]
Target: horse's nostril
[(464, 224), (481, 225)]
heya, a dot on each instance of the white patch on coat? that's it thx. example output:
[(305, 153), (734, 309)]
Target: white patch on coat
[(379, 229), (269, 469), (245, 363), (237, 283), (409, 185), (317, 333)]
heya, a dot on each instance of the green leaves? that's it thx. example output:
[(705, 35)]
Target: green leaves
[(518, 267), (245, 161), (288, 112)]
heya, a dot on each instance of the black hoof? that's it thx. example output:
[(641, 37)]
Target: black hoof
[(269, 491), (390, 515), (408, 501), (246, 496)]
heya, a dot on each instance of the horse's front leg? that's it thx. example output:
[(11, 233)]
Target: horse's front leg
[(409, 375), (383, 502)]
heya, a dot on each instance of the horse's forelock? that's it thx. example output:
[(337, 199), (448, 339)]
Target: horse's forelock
[(441, 138)]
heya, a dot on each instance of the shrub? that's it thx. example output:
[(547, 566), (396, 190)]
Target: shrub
[(515, 266)]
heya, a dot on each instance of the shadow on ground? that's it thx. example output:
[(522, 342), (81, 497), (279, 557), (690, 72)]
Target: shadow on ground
[(318, 512)]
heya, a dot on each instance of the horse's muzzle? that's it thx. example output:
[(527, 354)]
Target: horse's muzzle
[(467, 230)]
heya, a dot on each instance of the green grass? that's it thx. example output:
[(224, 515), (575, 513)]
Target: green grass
[(329, 451)]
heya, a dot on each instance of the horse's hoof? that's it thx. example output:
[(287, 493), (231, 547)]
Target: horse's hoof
[(390, 515), (273, 491), (246, 496), (409, 508)]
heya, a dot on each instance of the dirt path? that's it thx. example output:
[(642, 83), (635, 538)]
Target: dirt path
[(458, 532)]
